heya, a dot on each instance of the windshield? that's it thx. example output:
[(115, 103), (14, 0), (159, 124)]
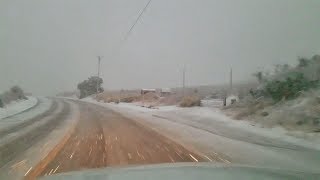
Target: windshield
[(109, 84)]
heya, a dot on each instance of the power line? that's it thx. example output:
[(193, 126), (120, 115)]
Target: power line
[(125, 38), (116, 49), (134, 24), (230, 81)]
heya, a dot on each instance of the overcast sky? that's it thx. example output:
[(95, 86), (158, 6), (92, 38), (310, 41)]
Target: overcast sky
[(49, 46)]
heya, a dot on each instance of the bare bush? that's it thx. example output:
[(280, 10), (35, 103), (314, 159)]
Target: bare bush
[(190, 101), (114, 100), (252, 108), (128, 99)]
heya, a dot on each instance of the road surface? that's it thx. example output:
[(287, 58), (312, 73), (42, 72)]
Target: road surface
[(102, 137), (16, 139), (105, 138)]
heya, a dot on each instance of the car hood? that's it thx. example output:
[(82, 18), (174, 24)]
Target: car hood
[(184, 171)]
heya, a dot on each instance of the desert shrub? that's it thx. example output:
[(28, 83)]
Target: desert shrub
[(251, 107), (15, 93), (288, 82), (290, 87), (99, 98), (257, 93), (112, 99), (303, 62), (128, 99), (290, 97), (190, 101)]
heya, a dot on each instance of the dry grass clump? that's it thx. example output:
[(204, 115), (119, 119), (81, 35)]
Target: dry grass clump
[(190, 101)]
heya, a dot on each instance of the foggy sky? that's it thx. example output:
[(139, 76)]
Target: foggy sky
[(49, 46)]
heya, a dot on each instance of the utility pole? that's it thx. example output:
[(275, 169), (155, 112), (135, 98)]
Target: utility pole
[(99, 61), (183, 79), (228, 92), (230, 81)]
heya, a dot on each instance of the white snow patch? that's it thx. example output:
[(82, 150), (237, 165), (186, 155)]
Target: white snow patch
[(17, 107), (133, 106), (212, 102), (311, 140)]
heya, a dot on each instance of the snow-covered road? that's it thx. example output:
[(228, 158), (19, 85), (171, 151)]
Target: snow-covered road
[(27, 138), (43, 104)]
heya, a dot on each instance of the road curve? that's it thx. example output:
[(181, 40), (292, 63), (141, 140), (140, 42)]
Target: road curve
[(105, 138), (28, 122), (17, 139)]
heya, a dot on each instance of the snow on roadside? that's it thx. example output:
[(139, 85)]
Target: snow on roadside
[(208, 116), (205, 114), (134, 106), (144, 109), (17, 106)]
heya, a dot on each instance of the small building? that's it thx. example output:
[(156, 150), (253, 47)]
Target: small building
[(145, 91), (165, 91)]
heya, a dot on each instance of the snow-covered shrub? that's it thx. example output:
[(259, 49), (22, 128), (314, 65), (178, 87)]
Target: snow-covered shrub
[(287, 83), (15, 93), (289, 88), (289, 97), (89, 86)]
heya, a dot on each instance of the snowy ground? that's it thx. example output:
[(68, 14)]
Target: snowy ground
[(208, 131), (17, 107)]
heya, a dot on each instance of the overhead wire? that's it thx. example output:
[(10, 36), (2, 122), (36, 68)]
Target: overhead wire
[(131, 28), (137, 20)]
